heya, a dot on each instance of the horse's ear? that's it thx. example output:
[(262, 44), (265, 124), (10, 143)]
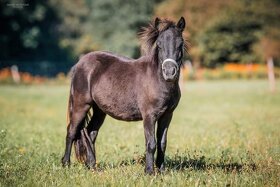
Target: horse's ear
[(181, 24), (157, 21)]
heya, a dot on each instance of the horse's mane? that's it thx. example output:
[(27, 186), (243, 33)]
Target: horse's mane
[(149, 34)]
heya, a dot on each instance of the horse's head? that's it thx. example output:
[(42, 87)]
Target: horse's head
[(170, 47), (163, 40)]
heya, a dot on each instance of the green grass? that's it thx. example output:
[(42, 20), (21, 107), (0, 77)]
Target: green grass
[(224, 133)]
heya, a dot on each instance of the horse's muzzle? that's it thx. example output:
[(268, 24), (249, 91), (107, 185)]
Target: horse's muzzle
[(170, 69)]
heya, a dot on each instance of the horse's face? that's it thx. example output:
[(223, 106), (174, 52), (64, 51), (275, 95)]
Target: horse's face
[(170, 44)]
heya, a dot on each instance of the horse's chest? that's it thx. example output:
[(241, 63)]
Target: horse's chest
[(160, 102), (170, 103)]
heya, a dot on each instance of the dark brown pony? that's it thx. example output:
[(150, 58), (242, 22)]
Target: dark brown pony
[(127, 89)]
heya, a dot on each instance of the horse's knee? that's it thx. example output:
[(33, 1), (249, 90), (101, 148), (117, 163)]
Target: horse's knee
[(71, 134), (151, 146)]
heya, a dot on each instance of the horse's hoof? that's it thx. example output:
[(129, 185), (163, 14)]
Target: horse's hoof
[(149, 171), (65, 163), (91, 166), (161, 169), (93, 169)]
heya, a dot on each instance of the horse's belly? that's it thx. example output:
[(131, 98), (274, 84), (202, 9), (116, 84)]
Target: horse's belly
[(120, 109), (126, 115)]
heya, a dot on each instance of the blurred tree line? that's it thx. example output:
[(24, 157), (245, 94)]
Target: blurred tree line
[(240, 31), (52, 32), (59, 31)]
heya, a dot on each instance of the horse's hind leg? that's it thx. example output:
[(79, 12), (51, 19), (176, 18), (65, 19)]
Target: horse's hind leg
[(93, 128), (77, 116)]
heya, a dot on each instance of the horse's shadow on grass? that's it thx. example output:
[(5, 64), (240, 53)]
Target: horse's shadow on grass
[(202, 163), (181, 163)]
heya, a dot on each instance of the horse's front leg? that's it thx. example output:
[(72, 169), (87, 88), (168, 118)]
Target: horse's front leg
[(162, 128), (149, 130)]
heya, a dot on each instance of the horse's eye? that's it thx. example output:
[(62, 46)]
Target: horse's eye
[(158, 44), (180, 46), (179, 55)]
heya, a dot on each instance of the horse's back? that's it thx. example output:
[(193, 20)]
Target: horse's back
[(104, 57)]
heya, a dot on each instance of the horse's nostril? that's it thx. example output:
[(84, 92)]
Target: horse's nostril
[(173, 71)]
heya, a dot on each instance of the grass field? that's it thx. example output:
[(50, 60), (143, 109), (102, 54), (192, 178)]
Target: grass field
[(224, 133)]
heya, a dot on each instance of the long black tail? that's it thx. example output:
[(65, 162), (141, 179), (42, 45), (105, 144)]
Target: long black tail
[(83, 141)]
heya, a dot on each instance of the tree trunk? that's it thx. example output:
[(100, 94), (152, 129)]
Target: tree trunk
[(271, 76)]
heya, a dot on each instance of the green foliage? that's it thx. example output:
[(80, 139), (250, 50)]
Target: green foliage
[(234, 34), (222, 134), (114, 24), (57, 30), (28, 31), (219, 31), (72, 27), (229, 39)]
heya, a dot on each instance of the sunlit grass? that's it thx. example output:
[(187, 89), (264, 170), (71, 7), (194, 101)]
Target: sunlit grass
[(222, 133)]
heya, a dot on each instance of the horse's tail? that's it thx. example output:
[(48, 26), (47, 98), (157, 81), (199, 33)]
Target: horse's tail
[(82, 141), (80, 148), (70, 97)]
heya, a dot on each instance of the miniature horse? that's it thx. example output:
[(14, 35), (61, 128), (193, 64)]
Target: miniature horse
[(127, 89)]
